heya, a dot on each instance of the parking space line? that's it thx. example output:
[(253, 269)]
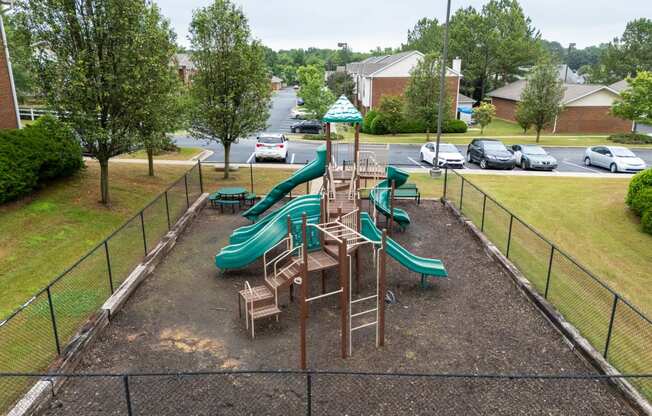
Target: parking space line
[(250, 157), (417, 163), (580, 166), (292, 161)]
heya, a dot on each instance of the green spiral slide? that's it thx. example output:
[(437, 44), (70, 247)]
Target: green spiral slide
[(422, 265), (380, 195), (311, 171), (239, 255)]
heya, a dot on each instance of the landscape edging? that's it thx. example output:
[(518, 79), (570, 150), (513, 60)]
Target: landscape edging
[(34, 401), (570, 334)]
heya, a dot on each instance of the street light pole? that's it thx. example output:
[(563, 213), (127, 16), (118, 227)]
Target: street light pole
[(570, 46), (436, 171), (344, 47)]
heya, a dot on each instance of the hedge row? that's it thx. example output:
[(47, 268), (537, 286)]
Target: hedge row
[(373, 124), (639, 198), (35, 154), (631, 138)]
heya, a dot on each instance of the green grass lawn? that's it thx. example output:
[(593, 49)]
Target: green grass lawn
[(184, 153), (509, 133)]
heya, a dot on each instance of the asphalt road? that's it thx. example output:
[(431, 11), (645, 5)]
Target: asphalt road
[(570, 159)]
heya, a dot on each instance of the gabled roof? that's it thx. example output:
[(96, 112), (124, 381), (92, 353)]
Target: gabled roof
[(376, 63), (620, 85), (185, 60), (342, 112), (461, 98), (276, 79), (572, 92)]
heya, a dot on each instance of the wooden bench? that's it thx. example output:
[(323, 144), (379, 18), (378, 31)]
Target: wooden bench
[(408, 191)]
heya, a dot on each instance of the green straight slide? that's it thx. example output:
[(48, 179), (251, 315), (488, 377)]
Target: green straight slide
[(239, 255), (311, 171), (380, 195), (246, 232), (423, 266)]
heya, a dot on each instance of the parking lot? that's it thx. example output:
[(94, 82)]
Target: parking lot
[(570, 159)]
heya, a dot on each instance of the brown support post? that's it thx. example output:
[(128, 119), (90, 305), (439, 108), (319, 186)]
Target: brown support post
[(329, 150), (382, 288), (304, 293), (356, 149), (344, 302), (357, 271)]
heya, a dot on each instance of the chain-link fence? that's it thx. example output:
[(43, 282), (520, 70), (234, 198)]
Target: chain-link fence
[(37, 332), (325, 393), (613, 325)]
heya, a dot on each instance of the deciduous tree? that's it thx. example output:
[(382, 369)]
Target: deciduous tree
[(422, 93), (483, 115), (231, 89), (316, 96), (541, 98), (636, 103), (391, 110)]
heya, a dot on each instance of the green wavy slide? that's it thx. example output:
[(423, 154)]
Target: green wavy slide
[(246, 232), (422, 265), (241, 254), (311, 171), (380, 195)]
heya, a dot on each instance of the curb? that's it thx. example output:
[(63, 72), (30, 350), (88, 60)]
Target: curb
[(571, 335)]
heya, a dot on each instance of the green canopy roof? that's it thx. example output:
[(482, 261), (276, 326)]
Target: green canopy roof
[(342, 112)]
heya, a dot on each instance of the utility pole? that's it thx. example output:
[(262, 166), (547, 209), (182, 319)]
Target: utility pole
[(436, 171), (344, 47), (570, 46), (5, 50)]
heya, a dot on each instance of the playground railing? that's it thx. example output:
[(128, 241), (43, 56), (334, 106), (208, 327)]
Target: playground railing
[(287, 392), (36, 333), (611, 323)]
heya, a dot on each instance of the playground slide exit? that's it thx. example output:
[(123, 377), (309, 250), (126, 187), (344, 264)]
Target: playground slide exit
[(423, 266), (239, 255), (380, 195), (311, 171)]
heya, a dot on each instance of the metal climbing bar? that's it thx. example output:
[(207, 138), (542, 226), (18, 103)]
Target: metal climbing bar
[(335, 292), (364, 325)]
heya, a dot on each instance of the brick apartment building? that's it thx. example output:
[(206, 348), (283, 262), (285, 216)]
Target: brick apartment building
[(586, 108), (8, 103), (389, 75)]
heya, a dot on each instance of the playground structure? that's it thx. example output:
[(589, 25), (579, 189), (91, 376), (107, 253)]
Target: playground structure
[(326, 231)]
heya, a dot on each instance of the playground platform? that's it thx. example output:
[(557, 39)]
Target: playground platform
[(185, 318)]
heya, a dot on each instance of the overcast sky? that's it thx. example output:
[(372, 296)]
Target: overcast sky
[(365, 24)]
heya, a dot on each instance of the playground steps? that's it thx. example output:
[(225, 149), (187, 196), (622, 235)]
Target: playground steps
[(265, 311), (321, 260), (345, 204), (334, 250)]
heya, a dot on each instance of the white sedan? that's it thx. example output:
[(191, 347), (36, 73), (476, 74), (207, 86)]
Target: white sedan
[(614, 158), (449, 156)]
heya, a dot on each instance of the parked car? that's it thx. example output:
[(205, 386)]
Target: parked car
[(307, 126), (271, 146), (614, 158), (449, 156), (490, 153), (300, 101), (298, 113), (529, 156)]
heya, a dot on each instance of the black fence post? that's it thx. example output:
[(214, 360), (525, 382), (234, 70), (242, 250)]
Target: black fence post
[(509, 235), (445, 179), (484, 207), (552, 255), (309, 394), (108, 264), (185, 180), (167, 210), (142, 226), (461, 194), (201, 178), (54, 322), (125, 383), (611, 325)]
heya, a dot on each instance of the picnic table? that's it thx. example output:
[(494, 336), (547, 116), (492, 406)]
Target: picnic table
[(230, 196)]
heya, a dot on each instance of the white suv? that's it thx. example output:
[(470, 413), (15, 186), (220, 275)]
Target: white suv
[(614, 158), (271, 146)]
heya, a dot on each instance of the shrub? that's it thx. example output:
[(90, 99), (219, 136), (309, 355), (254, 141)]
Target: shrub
[(38, 153), (631, 138), (646, 221), (640, 182), (410, 125), (368, 119), (642, 201), (322, 136), (454, 126), (378, 125)]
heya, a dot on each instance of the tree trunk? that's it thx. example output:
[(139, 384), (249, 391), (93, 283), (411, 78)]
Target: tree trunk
[(150, 160), (481, 129), (538, 133), (104, 180), (227, 156), (427, 133)]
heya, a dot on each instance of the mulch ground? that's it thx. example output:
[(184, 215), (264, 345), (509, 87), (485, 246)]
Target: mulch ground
[(185, 318)]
